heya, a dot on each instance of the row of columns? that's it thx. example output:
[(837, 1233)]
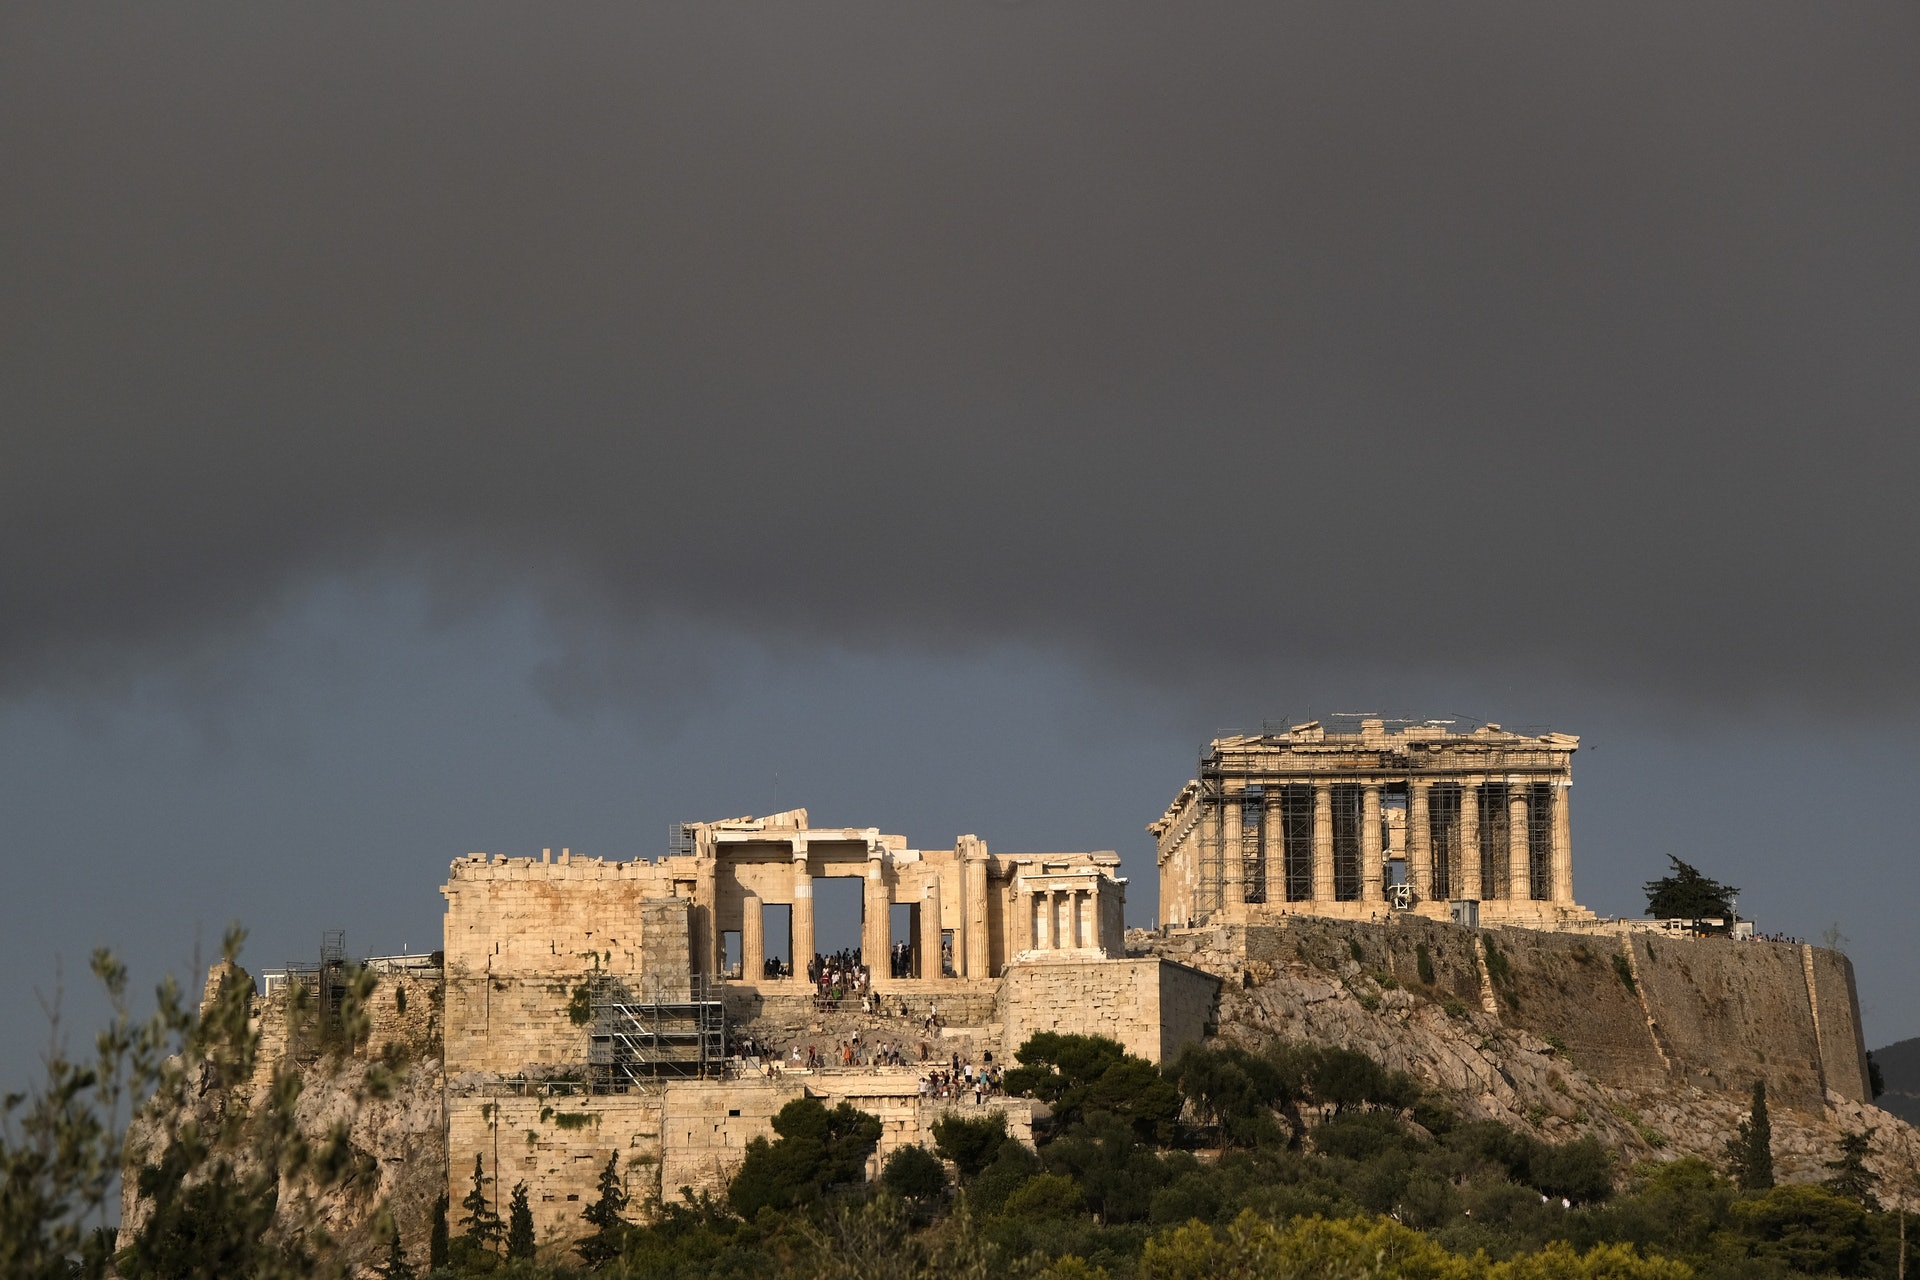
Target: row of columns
[(1518, 869), (971, 955), (1057, 919)]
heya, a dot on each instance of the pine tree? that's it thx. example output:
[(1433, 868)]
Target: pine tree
[(1849, 1176), (437, 1248), (396, 1267), (519, 1224), (1686, 894), (1750, 1151), (604, 1245), (482, 1224)]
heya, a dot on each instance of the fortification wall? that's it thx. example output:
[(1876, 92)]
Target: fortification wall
[(1151, 1006), (513, 1024), (528, 916), (689, 1134), (558, 1147)]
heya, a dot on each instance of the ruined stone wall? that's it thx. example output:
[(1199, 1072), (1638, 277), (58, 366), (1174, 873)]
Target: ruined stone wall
[(1151, 1006)]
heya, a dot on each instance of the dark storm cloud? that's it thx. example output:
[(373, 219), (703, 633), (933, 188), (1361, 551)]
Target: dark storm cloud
[(1568, 339)]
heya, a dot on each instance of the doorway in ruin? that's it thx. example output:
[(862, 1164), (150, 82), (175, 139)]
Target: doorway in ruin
[(1347, 800), (1494, 841), (839, 910), (903, 919), (1393, 837), (776, 923), (730, 953)]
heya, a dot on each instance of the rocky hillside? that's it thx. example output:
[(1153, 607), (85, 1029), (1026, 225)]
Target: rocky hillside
[(368, 1109), (1562, 1035)]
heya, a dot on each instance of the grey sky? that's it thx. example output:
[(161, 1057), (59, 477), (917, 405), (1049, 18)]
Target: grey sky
[(1087, 377)]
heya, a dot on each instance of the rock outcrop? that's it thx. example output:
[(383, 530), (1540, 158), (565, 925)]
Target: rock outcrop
[(1648, 1043)]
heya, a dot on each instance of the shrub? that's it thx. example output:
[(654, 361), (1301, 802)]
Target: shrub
[(1624, 972), (1045, 1195), (1423, 962)]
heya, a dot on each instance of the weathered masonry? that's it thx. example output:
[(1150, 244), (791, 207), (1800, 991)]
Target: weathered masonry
[(596, 1007), (1471, 825)]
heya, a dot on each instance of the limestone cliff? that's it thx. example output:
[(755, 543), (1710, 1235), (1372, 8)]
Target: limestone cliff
[(1650, 1044), (373, 1098)]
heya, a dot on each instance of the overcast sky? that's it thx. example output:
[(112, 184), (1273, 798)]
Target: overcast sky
[(446, 428)]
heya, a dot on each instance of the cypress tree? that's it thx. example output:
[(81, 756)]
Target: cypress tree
[(604, 1245), (520, 1224), (396, 1267), (1750, 1151), (437, 1250), (481, 1222)]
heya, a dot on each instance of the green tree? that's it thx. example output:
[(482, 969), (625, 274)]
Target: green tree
[(210, 1174), (1807, 1229), (971, 1142), (1686, 894), (396, 1267), (481, 1223), (1233, 1090), (914, 1173), (1076, 1075), (437, 1237), (1750, 1150), (519, 1224), (603, 1215), (816, 1149), (1848, 1174)]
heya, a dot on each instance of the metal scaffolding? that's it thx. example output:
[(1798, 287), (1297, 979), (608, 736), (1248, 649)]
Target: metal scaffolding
[(633, 1041)]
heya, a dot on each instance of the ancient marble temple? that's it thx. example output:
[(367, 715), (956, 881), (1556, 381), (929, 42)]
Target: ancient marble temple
[(1472, 826)]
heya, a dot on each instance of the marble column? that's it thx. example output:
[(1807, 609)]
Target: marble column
[(930, 930), (802, 912), (1419, 840), (753, 939), (973, 866), (1042, 921), (1469, 886), (1322, 842), (1275, 843), (706, 914), (1203, 899), (1233, 865), (876, 929), (1519, 881), (1370, 850), (1562, 842)]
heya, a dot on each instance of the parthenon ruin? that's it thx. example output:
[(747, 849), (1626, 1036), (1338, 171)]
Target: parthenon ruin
[(1469, 825)]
